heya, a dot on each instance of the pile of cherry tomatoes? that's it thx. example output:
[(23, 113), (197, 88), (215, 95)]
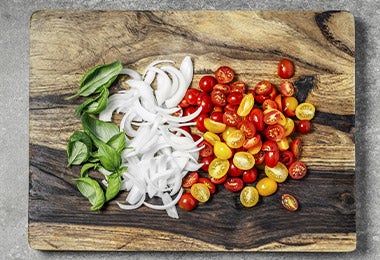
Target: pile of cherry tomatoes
[(246, 130)]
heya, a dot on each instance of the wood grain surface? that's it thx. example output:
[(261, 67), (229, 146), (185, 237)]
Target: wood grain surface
[(65, 44)]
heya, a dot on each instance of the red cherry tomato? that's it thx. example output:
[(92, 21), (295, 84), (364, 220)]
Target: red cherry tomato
[(189, 111), (272, 116), (238, 86), (269, 104), (250, 176), (296, 148), (263, 88), (231, 118), (259, 157), (190, 179), (206, 162), (257, 117), (234, 171), (287, 89), (199, 121), (218, 98), (187, 202), (224, 75), (297, 170), (248, 128), (184, 103), (272, 158), (204, 101), (207, 150), (285, 69), (191, 96), (231, 108), (286, 157), (218, 181), (270, 146), (225, 88), (275, 132), (234, 184), (208, 183), (234, 98), (252, 142), (206, 83), (217, 116), (304, 126)]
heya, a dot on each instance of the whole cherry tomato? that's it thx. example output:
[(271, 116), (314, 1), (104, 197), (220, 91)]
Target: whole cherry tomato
[(285, 69), (257, 117), (270, 146), (191, 96), (297, 170), (266, 186), (207, 82), (271, 158), (234, 98), (217, 116), (204, 101), (234, 184), (224, 75), (187, 202), (190, 179), (234, 171), (218, 98), (304, 126), (200, 122), (189, 111), (250, 176)]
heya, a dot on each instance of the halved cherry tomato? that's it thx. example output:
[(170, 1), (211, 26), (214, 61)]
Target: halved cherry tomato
[(184, 103), (289, 126), (244, 160), (250, 176), (234, 184), (200, 192), (289, 105), (205, 161), (271, 158), (227, 131), (224, 75), (285, 69), (231, 118), (200, 122), (248, 128), (218, 98), (283, 144), (287, 89), (296, 148), (204, 101), (222, 151), (259, 157), (269, 104), (286, 157), (235, 139), (218, 168), (208, 183), (189, 110), (238, 86), (278, 173), (213, 126), (218, 181), (231, 108), (217, 116), (190, 179), (257, 117), (278, 100), (252, 142), (289, 202), (304, 126), (207, 82), (263, 87), (234, 98), (272, 116), (211, 137), (266, 186), (246, 105), (207, 149), (191, 96), (305, 111), (187, 202), (249, 196), (274, 132), (225, 88), (234, 171), (297, 170)]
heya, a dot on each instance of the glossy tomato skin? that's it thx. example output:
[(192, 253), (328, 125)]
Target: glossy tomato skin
[(234, 98), (271, 158), (234, 184), (270, 146), (257, 117), (184, 103), (218, 98), (191, 96), (208, 183), (217, 116), (189, 110), (266, 186), (259, 157), (234, 171), (204, 101), (285, 69), (207, 82), (224, 75), (287, 89), (199, 121), (297, 170), (304, 126), (207, 149), (190, 179), (289, 105), (206, 162), (296, 148), (187, 202), (250, 176), (287, 157)]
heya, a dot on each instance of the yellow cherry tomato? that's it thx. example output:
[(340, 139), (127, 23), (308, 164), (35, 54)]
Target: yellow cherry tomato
[(256, 148), (283, 144), (211, 137), (235, 139), (200, 192), (249, 196), (305, 111), (246, 105), (278, 173), (214, 126), (222, 151), (289, 126), (266, 186), (227, 131), (243, 160), (218, 168)]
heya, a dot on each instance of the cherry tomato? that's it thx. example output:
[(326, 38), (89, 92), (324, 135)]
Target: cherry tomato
[(234, 184), (238, 86), (213, 126), (184, 103), (248, 128), (191, 96), (217, 116), (304, 126), (250, 176), (289, 202), (207, 82), (285, 69), (256, 148), (286, 157), (234, 98), (204, 101), (296, 148), (235, 139), (283, 144), (249, 196), (259, 157), (200, 122), (218, 168), (289, 105), (225, 88), (224, 75), (272, 116), (269, 104), (227, 131), (287, 89), (187, 202), (278, 173), (190, 179), (257, 117), (305, 111), (278, 100), (207, 149), (264, 88), (211, 137), (205, 161), (243, 160), (208, 183), (271, 158), (289, 126), (266, 186), (270, 146), (222, 151), (246, 105), (231, 118), (189, 111), (252, 142), (275, 132), (231, 108), (218, 98), (297, 170), (234, 171), (200, 192), (218, 181)]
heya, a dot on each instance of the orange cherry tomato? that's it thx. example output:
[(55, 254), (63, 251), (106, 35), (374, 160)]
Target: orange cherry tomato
[(266, 186)]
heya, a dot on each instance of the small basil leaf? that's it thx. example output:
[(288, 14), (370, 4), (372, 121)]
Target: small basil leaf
[(113, 187), (97, 78), (80, 136), (86, 167), (92, 190), (109, 157), (98, 130), (77, 153), (118, 142), (79, 110), (99, 104)]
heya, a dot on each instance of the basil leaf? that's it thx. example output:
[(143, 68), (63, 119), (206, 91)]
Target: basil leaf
[(109, 157), (114, 185), (99, 104), (81, 107), (97, 78), (98, 130), (86, 167), (78, 148), (80, 136), (117, 142), (92, 190)]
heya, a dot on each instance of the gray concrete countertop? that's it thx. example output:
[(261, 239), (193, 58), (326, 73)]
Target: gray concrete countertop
[(14, 86)]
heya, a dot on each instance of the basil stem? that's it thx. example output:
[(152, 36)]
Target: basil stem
[(92, 190)]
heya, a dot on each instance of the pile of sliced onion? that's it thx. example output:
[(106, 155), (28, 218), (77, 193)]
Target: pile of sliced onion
[(159, 152)]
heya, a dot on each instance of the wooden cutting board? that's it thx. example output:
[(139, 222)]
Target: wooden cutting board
[(65, 44)]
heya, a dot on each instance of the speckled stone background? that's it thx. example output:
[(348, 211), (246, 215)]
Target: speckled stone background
[(14, 75)]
